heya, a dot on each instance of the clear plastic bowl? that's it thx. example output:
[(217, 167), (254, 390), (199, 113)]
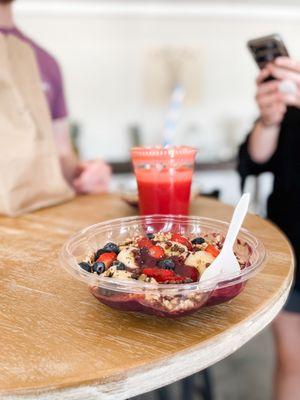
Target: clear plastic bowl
[(164, 300)]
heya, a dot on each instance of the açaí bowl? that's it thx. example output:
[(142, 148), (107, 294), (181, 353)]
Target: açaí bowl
[(163, 300)]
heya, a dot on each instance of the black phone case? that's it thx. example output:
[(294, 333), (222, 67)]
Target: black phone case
[(266, 49)]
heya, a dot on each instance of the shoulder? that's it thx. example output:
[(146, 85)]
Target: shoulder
[(48, 64), (51, 78)]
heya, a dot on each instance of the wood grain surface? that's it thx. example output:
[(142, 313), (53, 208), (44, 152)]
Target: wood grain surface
[(58, 341)]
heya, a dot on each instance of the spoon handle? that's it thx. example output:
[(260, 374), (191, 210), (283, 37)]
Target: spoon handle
[(237, 220)]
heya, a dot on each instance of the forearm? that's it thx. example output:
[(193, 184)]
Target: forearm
[(263, 142), (67, 156), (69, 165)]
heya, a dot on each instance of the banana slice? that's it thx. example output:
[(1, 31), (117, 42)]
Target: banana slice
[(199, 260), (126, 256)]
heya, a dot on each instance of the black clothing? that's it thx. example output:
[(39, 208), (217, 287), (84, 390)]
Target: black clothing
[(284, 202), (293, 301)]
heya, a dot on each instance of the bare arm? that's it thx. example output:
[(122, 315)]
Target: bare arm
[(264, 137), (263, 142), (68, 159)]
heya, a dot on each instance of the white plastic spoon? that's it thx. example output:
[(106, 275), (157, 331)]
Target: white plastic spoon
[(226, 263)]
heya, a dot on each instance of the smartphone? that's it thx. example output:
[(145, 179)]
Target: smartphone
[(265, 49)]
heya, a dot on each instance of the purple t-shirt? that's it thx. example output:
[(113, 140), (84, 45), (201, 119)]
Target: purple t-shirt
[(50, 73)]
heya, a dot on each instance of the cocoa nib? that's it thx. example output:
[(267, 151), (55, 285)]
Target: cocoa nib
[(135, 274)]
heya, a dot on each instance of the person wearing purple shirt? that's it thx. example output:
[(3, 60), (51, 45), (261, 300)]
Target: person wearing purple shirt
[(85, 176)]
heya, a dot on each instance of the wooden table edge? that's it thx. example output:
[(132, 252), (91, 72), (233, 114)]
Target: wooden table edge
[(161, 371), (123, 386)]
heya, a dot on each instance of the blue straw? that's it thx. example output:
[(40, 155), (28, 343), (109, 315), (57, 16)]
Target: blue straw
[(173, 115)]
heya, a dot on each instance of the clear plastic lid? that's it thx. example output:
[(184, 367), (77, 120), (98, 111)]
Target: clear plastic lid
[(159, 154)]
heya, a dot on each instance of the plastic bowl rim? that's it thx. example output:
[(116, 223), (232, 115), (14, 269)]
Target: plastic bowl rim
[(66, 257)]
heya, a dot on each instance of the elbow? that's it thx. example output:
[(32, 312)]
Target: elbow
[(258, 154), (259, 158)]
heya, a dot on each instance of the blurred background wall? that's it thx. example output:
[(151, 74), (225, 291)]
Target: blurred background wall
[(114, 58)]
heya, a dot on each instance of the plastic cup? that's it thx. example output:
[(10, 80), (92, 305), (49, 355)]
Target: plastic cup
[(164, 177)]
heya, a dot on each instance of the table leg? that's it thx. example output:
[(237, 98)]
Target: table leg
[(163, 394), (190, 387), (187, 388), (207, 386)]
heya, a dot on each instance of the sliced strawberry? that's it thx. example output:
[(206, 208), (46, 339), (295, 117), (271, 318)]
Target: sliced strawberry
[(156, 252), (107, 259), (182, 240), (160, 275), (144, 242), (187, 271), (212, 250)]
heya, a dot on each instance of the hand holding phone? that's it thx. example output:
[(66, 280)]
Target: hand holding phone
[(264, 51), (273, 59)]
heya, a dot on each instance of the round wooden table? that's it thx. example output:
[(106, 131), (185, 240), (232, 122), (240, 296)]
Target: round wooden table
[(58, 341)]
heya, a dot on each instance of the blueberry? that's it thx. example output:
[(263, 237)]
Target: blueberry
[(99, 267), (167, 264), (108, 248), (86, 266), (111, 248), (120, 266), (150, 236), (198, 240)]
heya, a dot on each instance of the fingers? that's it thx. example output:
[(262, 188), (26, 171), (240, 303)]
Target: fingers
[(281, 73), (264, 73), (283, 68), (272, 100), (287, 70), (267, 99), (88, 184), (85, 187), (79, 169), (95, 177), (291, 99), (267, 87), (267, 93), (288, 63)]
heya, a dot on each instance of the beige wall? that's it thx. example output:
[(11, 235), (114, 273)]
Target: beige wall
[(103, 59)]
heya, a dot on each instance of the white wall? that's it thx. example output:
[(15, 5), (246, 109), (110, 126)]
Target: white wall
[(103, 58)]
